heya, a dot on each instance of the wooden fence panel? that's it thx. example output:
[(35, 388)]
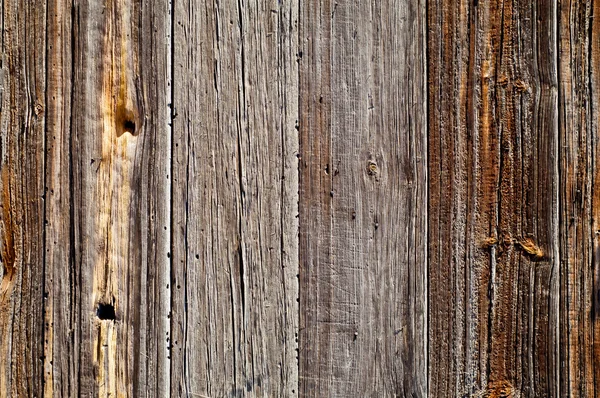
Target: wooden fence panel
[(61, 354), (22, 140), (107, 200), (362, 199), (493, 199), (579, 199), (268, 198), (235, 184)]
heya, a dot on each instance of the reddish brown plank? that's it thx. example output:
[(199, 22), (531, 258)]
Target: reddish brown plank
[(22, 162), (493, 199)]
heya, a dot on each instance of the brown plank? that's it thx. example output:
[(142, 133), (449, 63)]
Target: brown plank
[(22, 124), (234, 250), (493, 197), (362, 199), (579, 331), (107, 200)]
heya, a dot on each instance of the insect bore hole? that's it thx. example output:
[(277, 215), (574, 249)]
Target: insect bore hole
[(105, 312)]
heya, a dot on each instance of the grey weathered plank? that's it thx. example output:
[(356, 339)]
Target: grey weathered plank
[(22, 124), (493, 148), (107, 200), (234, 249), (578, 55), (363, 199)]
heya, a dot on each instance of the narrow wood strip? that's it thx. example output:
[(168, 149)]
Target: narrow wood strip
[(22, 162)]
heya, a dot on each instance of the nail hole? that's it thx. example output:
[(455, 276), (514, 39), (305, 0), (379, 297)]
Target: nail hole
[(105, 312)]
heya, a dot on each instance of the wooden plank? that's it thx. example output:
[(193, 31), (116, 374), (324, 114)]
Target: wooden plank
[(234, 250), (493, 198), (61, 354), (580, 200), (363, 199), (107, 194), (22, 91)]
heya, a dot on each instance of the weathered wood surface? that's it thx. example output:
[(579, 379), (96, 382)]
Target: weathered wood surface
[(579, 151), (362, 199), (314, 198), (22, 162), (493, 192), (234, 228)]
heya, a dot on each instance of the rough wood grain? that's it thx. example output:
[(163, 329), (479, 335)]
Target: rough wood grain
[(267, 198), (362, 199), (22, 125), (493, 199), (579, 197), (234, 250), (107, 190), (61, 356)]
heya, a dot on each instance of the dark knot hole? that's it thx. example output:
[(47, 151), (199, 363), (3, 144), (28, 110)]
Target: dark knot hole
[(129, 127), (105, 312)]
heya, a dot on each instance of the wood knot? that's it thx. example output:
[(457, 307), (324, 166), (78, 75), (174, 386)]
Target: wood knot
[(129, 126), (521, 86), (105, 312), (533, 251), (38, 108), (125, 122), (489, 242), (373, 169), (500, 389), (502, 80)]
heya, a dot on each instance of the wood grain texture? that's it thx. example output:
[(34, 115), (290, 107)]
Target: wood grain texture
[(107, 200), (579, 197), (362, 199), (235, 183), (493, 199), (22, 126), (61, 319), (299, 198)]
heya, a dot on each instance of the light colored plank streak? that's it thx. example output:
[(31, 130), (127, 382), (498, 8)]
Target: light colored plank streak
[(107, 200)]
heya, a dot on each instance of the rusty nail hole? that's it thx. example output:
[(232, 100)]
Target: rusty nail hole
[(105, 312)]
